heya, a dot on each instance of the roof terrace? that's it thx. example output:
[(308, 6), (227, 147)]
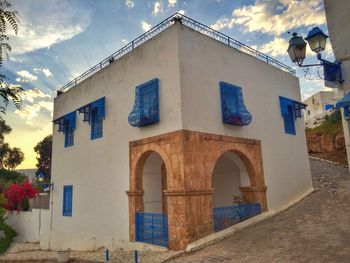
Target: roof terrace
[(195, 25)]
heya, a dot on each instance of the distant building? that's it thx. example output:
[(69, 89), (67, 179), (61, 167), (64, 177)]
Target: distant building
[(318, 105)]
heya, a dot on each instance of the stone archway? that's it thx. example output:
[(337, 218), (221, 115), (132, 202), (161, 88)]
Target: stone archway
[(189, 159)]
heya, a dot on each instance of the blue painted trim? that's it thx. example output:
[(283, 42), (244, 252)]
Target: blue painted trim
[(67, 205)]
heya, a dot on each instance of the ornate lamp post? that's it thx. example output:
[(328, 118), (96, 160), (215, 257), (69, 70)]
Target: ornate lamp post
[(317, 42)]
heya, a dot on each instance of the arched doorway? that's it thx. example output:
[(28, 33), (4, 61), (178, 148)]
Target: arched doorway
[(151, 222), (154, 184), (230, 175)]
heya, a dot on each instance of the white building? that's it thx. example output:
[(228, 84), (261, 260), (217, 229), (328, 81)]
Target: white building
[(318, 105), (212, 121), (337, 14)]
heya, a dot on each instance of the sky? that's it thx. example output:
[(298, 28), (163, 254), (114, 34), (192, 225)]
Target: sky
[(60, 39)]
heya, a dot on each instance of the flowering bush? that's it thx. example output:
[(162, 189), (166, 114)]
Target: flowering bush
[(18, 196)]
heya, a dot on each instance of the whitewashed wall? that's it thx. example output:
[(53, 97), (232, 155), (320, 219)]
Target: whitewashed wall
[(337, 14), (31, 226), (99, 169), (204, 63)]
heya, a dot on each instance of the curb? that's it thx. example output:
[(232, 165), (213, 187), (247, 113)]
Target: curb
[(215, 237), (326, 161)]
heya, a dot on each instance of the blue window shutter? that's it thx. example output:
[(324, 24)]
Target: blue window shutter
[(67, 200), (289, 122), (96, 124), (290, 111)]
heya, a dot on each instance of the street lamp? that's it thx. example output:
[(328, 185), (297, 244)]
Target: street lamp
[(41, 178), (297, 49), (317, 42)]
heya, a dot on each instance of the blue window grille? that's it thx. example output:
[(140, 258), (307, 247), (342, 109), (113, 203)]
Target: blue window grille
[(146, 105), (94, 114), (233, 110), (152, 229), (230, 215), (68, 136), (290, 110), (67, 125), (96, 125), (67, 200)]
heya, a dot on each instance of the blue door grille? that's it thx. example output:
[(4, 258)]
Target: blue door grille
[(152, 229), (230, 215)]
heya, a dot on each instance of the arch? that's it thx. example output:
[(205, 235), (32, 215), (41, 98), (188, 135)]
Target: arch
[(244, 156), (229, 175), (139, 161)]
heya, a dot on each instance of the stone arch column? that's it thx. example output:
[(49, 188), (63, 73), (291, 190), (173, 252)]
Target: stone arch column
[(189, 158), (139, 155)]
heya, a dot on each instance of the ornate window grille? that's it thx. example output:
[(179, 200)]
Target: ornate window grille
[(146, 105), (233, 110), (67, 125)]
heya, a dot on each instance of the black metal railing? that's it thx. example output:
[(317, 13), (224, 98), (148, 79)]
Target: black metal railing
[(189, 22)]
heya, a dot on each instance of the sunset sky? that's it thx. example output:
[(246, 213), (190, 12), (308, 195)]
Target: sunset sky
[(60, 39)]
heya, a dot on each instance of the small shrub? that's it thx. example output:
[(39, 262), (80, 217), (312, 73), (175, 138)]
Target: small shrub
[(9, 235)]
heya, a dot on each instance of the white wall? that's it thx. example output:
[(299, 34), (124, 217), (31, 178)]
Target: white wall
[(337, 14), (229, 174), (31, 226), (152, 184), (204, 63), (316, 104), (99, 169)]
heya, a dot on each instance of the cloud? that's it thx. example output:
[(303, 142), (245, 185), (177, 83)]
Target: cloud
[(28, 76), (157, 7), (45, 71), (129, 3), (172, 3), (32, 107), (125, 41), (31, 94), (182, 12), (275, 17), (145, 26), (29, 112), (277, 47), (43, 25)]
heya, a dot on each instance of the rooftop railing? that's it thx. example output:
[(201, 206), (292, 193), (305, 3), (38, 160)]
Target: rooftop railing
[(195, 25)]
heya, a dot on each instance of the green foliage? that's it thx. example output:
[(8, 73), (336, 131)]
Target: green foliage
[(44, 153), (10, 234), (9, 157), (237, 200), (7, 17), (332, 124), (10, 177), (4, 129)]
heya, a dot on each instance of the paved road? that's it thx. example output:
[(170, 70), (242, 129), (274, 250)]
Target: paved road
[(315, 230)]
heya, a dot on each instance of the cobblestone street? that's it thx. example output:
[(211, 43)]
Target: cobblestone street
[(315, 230)]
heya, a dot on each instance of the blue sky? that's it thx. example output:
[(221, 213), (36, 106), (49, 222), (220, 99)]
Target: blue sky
[(60, 39)]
